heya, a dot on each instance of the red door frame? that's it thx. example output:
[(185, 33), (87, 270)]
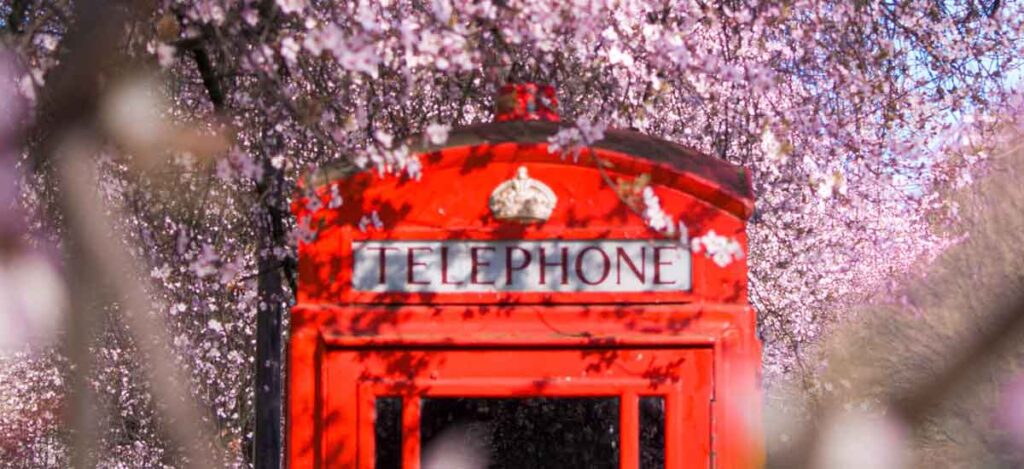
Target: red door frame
[(327, 336), (696, 397)]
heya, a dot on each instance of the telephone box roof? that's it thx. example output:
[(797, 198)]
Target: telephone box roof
[(730, 178)]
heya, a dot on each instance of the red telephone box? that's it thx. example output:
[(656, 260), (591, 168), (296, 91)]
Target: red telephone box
[(510, 281)]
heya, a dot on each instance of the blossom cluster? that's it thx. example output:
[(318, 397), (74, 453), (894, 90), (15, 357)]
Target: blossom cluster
[(573, 140)]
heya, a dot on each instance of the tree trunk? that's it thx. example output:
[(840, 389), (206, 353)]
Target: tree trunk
[(267, 438)]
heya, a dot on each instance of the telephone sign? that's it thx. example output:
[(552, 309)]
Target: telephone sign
[(527, 266)]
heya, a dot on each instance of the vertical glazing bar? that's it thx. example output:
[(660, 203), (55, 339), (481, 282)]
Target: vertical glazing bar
[(629, 431), (673, 431), (411, 432)]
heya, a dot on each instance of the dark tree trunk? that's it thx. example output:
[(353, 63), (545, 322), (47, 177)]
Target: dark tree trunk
[(267, 439)]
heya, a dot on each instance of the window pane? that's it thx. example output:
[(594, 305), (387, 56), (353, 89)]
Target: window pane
[(520, 433), (388, 433), (652, 432)]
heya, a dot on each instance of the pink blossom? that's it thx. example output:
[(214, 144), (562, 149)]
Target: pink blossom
[(437, 134), (720, 249), (291, 6), (290, 50), (654, 215), (372, 220), (165, 54), (573, 140), (205, 264)]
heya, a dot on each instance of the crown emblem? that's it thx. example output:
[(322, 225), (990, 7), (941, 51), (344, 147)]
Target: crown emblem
[(522, 199)]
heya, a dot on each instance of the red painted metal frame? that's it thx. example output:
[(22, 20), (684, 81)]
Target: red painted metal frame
[(694, 400), (338, 363), (347, 347)]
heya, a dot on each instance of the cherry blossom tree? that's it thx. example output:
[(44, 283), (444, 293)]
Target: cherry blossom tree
[(855, 119)]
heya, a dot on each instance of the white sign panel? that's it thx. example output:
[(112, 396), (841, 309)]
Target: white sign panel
[(520, 266)]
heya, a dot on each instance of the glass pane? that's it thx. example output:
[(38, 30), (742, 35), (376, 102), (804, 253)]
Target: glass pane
[(652, 432), (387, 430), (520, 433)]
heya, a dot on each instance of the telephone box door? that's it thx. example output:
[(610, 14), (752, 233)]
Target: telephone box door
[(611, 407)]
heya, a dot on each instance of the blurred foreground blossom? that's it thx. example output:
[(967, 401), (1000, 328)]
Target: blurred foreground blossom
[(1010, 412), (32, 298), (462, 446), (860, 440), (32, 294), (133, 112), (137, 115)]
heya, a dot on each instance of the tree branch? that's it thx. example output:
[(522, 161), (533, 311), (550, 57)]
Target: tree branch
[(209, 75)]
